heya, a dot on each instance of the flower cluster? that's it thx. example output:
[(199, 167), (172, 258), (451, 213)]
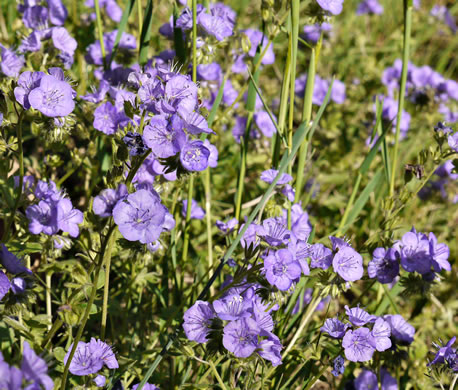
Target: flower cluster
[(38, 16), (368, 380), (320, 89), (248, 323), (52, 211), (416, 252), (364, 333), (33, 372), (369, 7), (423, 82)]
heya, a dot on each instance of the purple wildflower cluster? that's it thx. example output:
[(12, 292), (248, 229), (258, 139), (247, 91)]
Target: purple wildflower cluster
[(248, 324), (368, 380), (369, 7), (416, 252), (423, 82), (33, 373), (312, 33), (334, 7), (45, 19), (320, 89), (364, 334), (52, 211)]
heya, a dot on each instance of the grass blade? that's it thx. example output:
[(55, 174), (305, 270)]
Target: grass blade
[(121, 28), (146, 33)]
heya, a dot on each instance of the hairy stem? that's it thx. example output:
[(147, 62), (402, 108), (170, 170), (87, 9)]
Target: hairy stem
[(405, 63)]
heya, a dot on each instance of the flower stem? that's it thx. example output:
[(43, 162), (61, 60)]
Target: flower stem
[(107, 261), (452, 385), (350, 201), (306, 116), (405, 63), (21, 177), (100, 32), (208, 215), (88, 307), (48, 298), (217, 376)]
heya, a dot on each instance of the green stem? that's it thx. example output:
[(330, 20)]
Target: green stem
[(402, 88), (21, 177), (194, 40), (306, 117), (208, 210), (217, 376), (88, 307), (48, 300), (100, 32), (452, 385), (188, 219), (140, 20), (107, 261)]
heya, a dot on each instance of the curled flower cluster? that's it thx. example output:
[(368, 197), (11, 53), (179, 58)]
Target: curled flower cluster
[(52, 211), (416, 252), (361, 341)]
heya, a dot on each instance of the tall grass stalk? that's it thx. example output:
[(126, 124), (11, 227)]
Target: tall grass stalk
[(306, 116), (100, 32), (408, 6)]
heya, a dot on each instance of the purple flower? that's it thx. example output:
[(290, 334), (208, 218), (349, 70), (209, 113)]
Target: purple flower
[(275, 232), (413, 249), (269, 176), (269, 349), (358, 316), (348, 264), (339, 366), (240, 337), (261, 314), (194, 156), (358, 345), (214, 25), (164, 140), (338, 92), (18, 285), (53, 97), (107, 119), (100, 380), (12, 264), (442, 13), (42, 218), (400, 329), (63, 41), (281, 269), (140, 216), (113, 10), (197, 321), (57, 12), (102, 351), (234, 306), (11, 377), (35, 17), (313, 32), (68, 218), (381, 333), (251, 235), (256, 37), (11, 64), (148, 386), (384, 265), (333, 6), (265, 124), (300, 224), (194, 123), (301, 251), (105, 202), (5, 285), (209, 72), (197, 212), (439, 253), (444, 353), (34, 368), (213, 157), (369, 7), (453, 141), (321, 256), (335, 328), (27, 81), (227, 227), (368, 380), (47, 191)]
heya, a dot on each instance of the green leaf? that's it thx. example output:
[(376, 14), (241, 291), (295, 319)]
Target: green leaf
[(121, 28), (146, 33)]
